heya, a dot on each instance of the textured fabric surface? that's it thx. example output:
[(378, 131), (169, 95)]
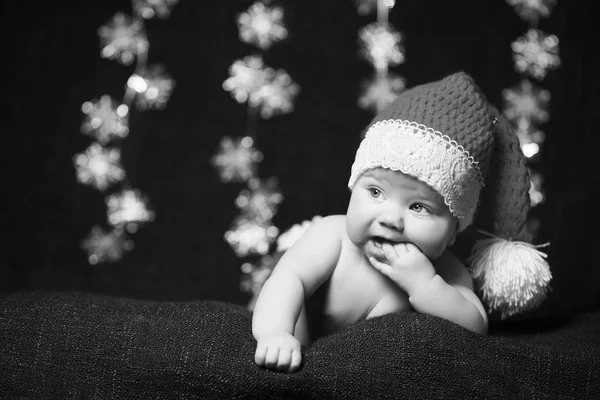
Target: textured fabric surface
[(71, 346)]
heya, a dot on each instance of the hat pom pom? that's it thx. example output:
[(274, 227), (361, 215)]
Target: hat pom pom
[(513, 275)]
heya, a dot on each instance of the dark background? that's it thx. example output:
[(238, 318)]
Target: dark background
[(51, 51)]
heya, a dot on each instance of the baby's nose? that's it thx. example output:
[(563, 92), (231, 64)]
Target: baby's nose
[(392, 220)]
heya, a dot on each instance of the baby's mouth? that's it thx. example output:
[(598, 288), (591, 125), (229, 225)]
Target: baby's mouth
[(377, 248), (379, 241)]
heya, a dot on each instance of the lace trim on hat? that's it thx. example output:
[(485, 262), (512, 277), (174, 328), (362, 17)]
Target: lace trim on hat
[(426, 154)]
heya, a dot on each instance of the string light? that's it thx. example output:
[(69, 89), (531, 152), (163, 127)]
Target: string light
[(152, 86), (532, 10), (277, 95), (123, 39), (150, 8), (246, 77), (104, 120), (381, 45), (535, 53), (236, 159), (267, 92), (380, 90), (271, 92), (250, 237), (260, 200), (103, 246), (128, 208), (525, 104), (262, 25), (99, 167), (536, 192)]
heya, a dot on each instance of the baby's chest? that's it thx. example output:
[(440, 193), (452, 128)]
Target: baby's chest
[(358, 291)]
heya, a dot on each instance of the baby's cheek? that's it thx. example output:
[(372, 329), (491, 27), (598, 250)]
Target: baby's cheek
[(433, 252)]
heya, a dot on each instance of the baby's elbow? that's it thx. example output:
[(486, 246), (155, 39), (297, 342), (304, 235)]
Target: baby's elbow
[(479, 323), (474, 319), (475, 313), (482, 328), (485, 325)]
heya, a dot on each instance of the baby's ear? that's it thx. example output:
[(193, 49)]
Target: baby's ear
[(453, 237)]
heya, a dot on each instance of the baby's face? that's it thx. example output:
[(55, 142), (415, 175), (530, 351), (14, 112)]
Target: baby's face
[(391, 206)]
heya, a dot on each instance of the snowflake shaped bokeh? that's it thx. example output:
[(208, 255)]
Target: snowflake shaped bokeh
[(104, 246), (104, 120), (380, 90), (276, 96), (526, 101), (262, 25), (530, 137), (532, 10), (381, 45), (254, 276), (150, 8), (260, 200), (236, 159), (98, 166), (122, 39), (247, 236), (246, 77), (536, 194), (128, 208), (272, 92), (153, 88), (366, 7), (535, 53)]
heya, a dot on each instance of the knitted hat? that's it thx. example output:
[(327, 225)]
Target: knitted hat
[(447, 135)]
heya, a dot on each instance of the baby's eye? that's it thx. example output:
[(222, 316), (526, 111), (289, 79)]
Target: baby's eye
[(419, 208), (374, 192)]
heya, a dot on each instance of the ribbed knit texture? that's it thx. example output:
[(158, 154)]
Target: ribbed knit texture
[(509, 181)]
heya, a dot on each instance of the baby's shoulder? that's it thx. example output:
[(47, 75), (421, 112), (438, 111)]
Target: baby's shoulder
[(324, 232), (334, 223)]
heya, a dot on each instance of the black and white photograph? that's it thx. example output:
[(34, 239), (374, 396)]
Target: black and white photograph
[(277, 199)]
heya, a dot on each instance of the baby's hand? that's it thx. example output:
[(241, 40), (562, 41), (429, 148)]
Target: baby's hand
[(408, 267), (279, 351)]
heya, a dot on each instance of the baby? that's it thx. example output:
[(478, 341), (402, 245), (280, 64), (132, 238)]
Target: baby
[(415, 186)]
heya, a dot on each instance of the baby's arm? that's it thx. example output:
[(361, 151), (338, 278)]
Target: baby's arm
[(449, 294), (301, 270), (446, 291)]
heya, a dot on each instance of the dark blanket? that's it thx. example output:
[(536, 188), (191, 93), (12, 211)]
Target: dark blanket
[(64, 346)]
